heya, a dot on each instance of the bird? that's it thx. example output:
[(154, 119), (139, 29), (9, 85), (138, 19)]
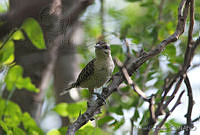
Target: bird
[(97, 72)]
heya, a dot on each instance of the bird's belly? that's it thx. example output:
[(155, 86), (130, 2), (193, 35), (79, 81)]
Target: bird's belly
[(96, 80)]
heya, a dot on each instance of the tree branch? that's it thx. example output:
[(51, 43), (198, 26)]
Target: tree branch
[(131, 66), (129, 80), (185, 126), (187, 60), (182, 16), (168, 114), (190, 106)]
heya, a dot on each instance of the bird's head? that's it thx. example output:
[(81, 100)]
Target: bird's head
[(102, 49)]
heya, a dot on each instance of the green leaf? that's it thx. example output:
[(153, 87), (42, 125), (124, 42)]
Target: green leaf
[(18, 131), (30, 125), (54, 132), (3, 6), (26, 83), (170, 51), (145, 117), (27, 121), (72, 109), (104, 120), (18, 35), (75, 108), (118, 124), (136, 115), (4, 126), (174, 67), (90, 130), (117, 51), (7, 53), (63, 130), (117, 110), (12, 76), (34, 32), (14, 79), (92, 27), (174, 123), (61, 109), (2, 104), (12, 114), (125, 89)]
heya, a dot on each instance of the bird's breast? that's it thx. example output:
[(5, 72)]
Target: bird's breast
[(102, 72)]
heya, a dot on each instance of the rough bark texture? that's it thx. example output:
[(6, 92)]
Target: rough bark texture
[(34, 61)]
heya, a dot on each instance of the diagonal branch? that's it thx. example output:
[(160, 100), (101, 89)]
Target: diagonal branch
[(182, 16), (132, 65), (129, 80)]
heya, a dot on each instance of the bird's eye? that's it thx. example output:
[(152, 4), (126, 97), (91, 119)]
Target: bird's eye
[(106, 47)]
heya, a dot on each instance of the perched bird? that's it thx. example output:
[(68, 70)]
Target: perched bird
[(97, 71)]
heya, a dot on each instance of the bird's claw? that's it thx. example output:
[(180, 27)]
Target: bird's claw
[(100, 97)]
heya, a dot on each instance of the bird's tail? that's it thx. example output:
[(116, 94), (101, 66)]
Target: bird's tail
[(67, 89)]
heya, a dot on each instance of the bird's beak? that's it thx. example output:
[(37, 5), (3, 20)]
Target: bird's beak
[(98, 46)]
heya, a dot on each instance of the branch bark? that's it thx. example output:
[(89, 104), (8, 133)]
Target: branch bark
[(190, 106), (158, 127), (131, 66)]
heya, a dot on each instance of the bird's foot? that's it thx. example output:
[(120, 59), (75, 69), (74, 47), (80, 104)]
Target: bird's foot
[(100, 97)]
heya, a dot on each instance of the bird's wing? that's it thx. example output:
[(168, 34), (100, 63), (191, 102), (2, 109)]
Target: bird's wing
[(87, 71)]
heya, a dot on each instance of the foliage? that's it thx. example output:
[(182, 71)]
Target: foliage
[(34, 32), (12, 120), (15, 122), (143, 24)]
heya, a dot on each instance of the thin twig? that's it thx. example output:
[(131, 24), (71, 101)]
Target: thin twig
[(187, 82), (194, 66), (128, 54), (167, 87), (8, 37), (178, 84), (188, 57), (184, 126), (190, 106), (132, 65), (182, 16), (168, 114), (129, 80)]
